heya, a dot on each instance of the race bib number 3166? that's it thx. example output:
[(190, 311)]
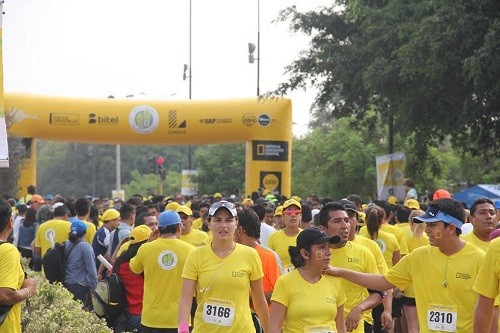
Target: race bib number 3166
[(218, 312)]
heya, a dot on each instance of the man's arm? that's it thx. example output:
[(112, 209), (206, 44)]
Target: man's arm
[(367, 280), (483, 314)]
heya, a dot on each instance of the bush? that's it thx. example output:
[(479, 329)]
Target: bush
[(53, 309)]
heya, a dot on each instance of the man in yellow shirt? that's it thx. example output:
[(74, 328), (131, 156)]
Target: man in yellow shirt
[(53, 231), (162, 261), (483, 215), (442, 273), (192, 236)]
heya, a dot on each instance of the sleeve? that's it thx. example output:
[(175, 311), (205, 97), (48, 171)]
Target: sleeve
[(38, 238), (280, 294), (270, 242), (190, 270), (487, 280), (256, 266), (136, 264), (400, 274), (9, 266), (271, 270)]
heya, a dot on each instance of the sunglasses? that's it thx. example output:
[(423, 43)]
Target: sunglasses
[(292, 212)]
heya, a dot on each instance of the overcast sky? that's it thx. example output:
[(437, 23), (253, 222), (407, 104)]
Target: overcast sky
[(95, 48)]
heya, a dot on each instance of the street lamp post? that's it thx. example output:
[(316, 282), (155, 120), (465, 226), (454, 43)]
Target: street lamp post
[(252, 47)]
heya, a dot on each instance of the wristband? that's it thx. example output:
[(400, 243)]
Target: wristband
[(183, 328), (29, 294)]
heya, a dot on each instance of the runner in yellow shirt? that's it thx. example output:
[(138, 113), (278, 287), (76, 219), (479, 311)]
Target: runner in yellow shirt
[(483, 219), (304, 300), (221, 274), (282, 239), (443, 272), (192, 236)]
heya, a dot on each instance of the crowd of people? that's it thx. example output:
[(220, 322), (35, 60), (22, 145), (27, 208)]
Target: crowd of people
[(265, 263)]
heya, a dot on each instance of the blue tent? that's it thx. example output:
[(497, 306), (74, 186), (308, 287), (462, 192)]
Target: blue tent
[(490, 191)]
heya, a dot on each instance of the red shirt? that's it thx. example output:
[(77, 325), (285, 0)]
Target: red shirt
[(134, 286)]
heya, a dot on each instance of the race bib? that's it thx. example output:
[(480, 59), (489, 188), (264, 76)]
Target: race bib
[(442, 317), (319, 329), (218, 312), (288, 269)]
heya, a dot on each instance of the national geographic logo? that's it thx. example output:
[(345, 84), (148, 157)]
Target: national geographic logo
[(270, 150), (464, 276), (174, 127), (355, 260), (271, 180)]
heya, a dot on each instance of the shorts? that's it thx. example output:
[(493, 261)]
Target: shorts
[(408, 301)]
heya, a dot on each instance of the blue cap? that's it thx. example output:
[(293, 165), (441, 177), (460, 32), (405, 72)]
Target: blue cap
[(433, 214), (49, 197), (78, 228), (167, 218)]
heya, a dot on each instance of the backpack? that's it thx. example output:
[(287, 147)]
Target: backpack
[(109, 297), (54, 262)]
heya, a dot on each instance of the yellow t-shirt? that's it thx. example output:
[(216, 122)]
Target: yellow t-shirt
[(122, 248), (375, 250), (414, 243), (162, 261), (279, 242), (222, 288), (197, 223), (387, 242), (195, 237), (91, 230), (12, 276), (58, 229), (488, 279), (430, 271), (308, 304), (357, 258), (472, 238)]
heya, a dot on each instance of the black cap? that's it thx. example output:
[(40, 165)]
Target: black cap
[(349, 205), (312, 236)]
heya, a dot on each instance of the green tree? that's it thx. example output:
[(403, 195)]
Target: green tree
[(431, 66), (221, 168)]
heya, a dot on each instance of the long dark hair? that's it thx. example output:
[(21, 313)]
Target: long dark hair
[(374, 220), (30, 218)]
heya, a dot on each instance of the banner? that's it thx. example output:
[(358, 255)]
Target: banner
[(188, 187), (390, 175)]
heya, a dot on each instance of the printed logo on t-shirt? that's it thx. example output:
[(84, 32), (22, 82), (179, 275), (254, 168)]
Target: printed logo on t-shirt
[(50, 235), (167, 260), (381, 244)]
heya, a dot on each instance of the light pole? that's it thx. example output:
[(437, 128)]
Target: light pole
[(251, 49), (186, 75)]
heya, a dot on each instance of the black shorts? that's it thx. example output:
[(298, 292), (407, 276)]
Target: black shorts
[(397, 307), (408, 301)]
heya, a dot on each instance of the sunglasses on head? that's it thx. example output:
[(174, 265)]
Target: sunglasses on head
[(292, 212)]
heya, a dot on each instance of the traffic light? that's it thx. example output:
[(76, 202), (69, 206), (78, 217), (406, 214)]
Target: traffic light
[(160, 170)]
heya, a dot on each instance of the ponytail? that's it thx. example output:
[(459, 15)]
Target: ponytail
[(374, 220)]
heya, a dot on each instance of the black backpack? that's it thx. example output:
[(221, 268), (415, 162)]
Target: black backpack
[(54, 262), (109, 297)]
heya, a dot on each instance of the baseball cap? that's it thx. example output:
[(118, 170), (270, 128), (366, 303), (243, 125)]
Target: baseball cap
[(49, 197), (433, 214), (184, 209), (392, 200), (296, 198), (172, 206), (312, 236), (139, 234), (168, 218), (441, 194), (217, 195), (222, 204), (37, 198), (78, 228), (349, 205), (247, 202), (412, 204), (110, 214), (278, 211), (291, 202), (271, 197)]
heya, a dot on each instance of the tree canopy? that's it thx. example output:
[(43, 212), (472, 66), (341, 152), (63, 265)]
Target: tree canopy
[(432, 66)]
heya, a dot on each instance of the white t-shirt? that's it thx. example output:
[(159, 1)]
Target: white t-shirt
[(265, 231)]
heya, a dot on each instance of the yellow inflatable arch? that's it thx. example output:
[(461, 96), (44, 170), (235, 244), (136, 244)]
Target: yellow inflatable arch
[(265, 125)]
